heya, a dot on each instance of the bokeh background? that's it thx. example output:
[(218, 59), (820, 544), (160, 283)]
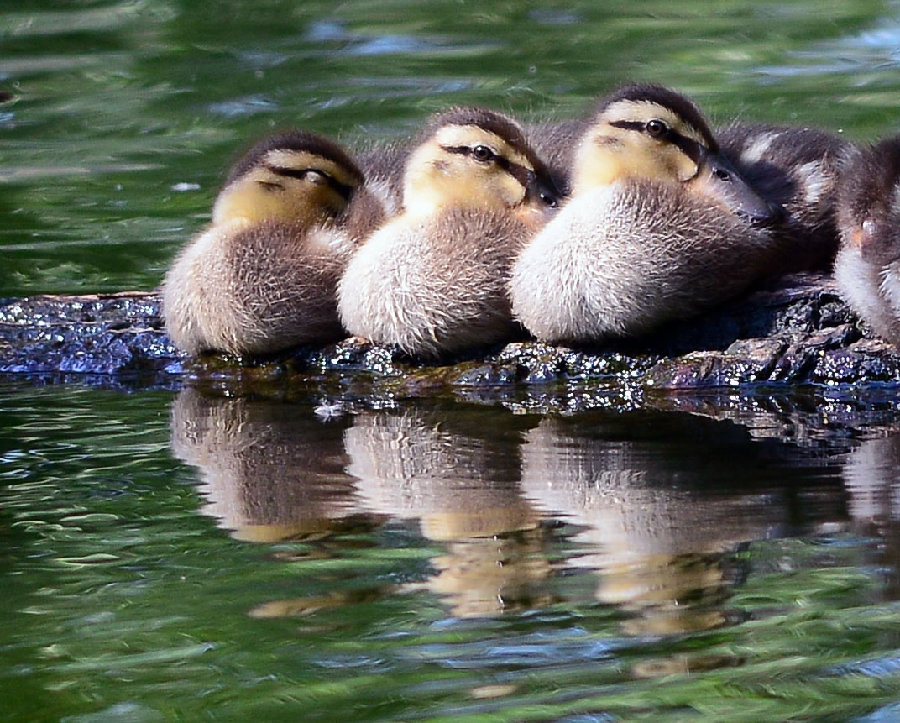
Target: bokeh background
[(124, 115)]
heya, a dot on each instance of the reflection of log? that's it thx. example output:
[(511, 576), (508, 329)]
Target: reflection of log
[(798, 331)]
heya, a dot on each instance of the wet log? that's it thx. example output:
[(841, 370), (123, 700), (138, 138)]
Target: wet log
[(795, 331)]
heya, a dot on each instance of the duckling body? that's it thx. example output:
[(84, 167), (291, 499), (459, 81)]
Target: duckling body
[(255, 290), (867, 267), (263, 276), (433, 279), (649, 235), (659, 254), (796, 168)]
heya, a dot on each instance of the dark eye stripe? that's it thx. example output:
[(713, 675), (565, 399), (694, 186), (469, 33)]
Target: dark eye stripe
[(693, 150), (542, 185), (516, 170), (343, 190)]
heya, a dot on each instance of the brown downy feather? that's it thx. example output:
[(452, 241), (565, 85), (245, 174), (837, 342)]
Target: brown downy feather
[(263, 276), (797, 168), (867, 267)]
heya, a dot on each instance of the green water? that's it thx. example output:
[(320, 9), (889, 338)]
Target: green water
[(125, 115), (186, 554), (178, 556)]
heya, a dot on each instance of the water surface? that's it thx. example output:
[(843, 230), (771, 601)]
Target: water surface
[(193, 553), (541, 554)]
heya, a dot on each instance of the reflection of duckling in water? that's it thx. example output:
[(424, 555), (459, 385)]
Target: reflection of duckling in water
[(796, 168), (462, 487), (867, 267), (433, 279), (661, 549), (263, 276), (269, 471), (872, 478), (657, 227)]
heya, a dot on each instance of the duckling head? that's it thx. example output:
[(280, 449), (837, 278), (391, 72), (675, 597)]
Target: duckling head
[(869, 201), (291, 177), (645, 131), (476, 158)]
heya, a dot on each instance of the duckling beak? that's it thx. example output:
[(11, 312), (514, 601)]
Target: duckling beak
[(542, 192), (717, 177)]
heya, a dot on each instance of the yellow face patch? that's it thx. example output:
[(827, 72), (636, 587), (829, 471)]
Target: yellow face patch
[(636, 139), (288, 186), (464, 166)]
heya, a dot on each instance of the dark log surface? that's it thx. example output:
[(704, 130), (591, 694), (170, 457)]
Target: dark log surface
[(796, 331)]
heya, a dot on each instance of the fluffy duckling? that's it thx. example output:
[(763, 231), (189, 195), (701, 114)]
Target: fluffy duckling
[(558, 144), (433, 279), (651, 233), (867, 267), (263, 276), (796, 168)]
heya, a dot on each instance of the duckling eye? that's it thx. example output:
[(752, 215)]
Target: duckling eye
[(656, 128), (482, 153), (316, 177), (311, 175)]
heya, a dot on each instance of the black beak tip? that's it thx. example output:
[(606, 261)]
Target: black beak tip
[(774, 215)]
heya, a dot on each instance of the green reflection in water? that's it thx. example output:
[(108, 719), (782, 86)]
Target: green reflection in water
[(136, 585), (126, 114), (434, 559)]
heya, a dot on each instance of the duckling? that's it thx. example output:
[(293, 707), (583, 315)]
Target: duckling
[(557, 143), (384, 166), (263, 276), (867, 267), (432, 280), (796, 168), (650, 233)]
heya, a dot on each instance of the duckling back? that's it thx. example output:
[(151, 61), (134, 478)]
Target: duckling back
[(555, 142), (867, 267), (796, 168)]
